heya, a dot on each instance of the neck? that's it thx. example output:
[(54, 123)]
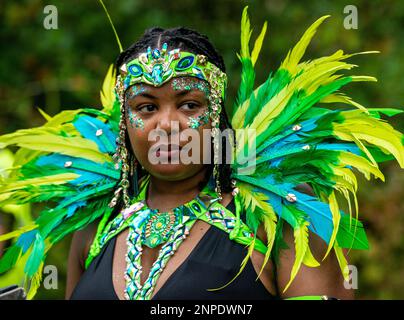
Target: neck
[(165, 195)]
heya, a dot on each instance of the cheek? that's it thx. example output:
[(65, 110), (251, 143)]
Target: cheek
[(198, 121), (138, 140), (133, 120)]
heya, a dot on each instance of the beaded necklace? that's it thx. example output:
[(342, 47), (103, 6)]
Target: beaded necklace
[(170, 228), (152, 228)]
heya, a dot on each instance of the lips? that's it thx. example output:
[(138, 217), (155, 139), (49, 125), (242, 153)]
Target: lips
[(166, 150)]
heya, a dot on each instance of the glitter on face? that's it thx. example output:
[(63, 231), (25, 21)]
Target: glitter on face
[(188, 83), (134, 90), (134, 119), (196, 122)]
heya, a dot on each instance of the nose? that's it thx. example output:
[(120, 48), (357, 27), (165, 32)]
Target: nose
[(168, 121)]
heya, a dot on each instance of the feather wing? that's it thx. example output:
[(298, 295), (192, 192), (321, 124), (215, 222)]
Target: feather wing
[(285, 140), (67, 161)]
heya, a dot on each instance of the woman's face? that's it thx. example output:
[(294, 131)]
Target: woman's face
[(166, 126)]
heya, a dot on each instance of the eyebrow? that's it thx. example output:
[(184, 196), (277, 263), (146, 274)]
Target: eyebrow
[(185, 92), (146, 94)]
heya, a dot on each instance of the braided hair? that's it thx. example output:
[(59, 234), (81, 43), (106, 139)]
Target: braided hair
[(191, 41)]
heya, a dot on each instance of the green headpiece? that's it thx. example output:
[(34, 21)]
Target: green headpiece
[(156, 67)]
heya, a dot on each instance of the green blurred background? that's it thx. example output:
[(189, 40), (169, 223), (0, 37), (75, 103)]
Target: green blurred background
[(64, 69)]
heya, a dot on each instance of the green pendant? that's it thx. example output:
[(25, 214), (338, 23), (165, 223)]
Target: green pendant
[(158, 227)]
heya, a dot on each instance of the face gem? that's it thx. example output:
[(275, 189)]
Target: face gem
[(196, 122)]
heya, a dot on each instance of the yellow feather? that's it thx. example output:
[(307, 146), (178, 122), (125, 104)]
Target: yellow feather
[(35, 282), (245, 34), (341, 98), (294, 56), (258, 44), (359, 126), (16, 233), (345, 182), (237, 121), (62, 117), (310, 81), (309, 259), (44, 114), (37, 278), (107, 93), (301, 244), (254, 200), (360, 163), (269, 220), (364, 149), (53, 179), (270, 229), (343, 264), (336, 217), (71, 146), (312, 75), (363, 78)]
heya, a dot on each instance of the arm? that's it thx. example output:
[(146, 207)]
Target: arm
[(326, 279), (79, 249)]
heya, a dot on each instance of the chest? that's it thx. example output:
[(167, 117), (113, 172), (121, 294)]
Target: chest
[(150, 255)]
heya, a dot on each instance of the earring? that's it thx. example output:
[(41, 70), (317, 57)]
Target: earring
[(215, 103), (216, 146), (121, 155)]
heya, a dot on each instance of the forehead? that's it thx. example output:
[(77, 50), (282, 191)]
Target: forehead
[(185, 83)]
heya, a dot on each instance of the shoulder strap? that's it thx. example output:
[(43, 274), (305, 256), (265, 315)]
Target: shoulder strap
[(222, 218)]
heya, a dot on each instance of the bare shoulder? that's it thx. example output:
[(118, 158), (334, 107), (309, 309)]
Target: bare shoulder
[(305, 188), (79, 248), (326, 279), (82, 240)]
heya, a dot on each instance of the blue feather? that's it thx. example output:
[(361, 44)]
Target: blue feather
[(73, 207), (319, 214), (80, 166), (26, 239), (88, 127), (97, 191)]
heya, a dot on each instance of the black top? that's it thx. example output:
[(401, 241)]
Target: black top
[(212, 263)]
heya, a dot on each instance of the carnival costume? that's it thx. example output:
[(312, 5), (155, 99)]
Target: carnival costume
[(79, 162)]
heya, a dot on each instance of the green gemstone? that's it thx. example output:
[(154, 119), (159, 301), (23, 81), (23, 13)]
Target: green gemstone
[(153, 241), (196, 207)]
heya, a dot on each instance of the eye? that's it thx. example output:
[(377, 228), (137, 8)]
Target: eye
[(190, 106), (147, 108)]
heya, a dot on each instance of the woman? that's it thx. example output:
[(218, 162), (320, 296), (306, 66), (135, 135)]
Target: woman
[(179, 229), (216, 259)]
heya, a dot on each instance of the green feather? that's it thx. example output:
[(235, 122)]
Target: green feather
[(36, 256), (348, 237), (9, 259)]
